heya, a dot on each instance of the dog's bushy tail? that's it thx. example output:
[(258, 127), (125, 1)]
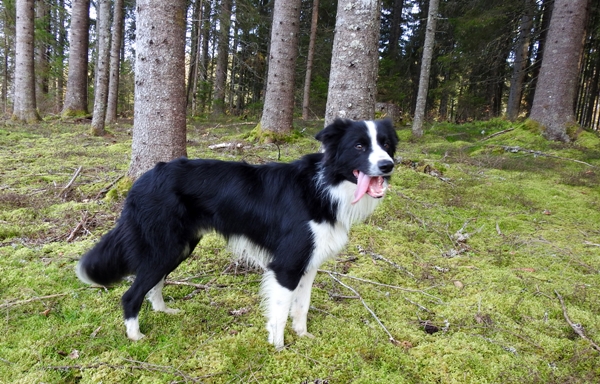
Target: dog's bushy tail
[(105, 263)]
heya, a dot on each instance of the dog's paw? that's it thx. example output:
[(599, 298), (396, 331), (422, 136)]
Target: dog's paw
[(135, 336), (304, 333)]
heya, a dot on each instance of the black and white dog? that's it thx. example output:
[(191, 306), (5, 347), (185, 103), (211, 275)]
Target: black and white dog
[(286, 218)]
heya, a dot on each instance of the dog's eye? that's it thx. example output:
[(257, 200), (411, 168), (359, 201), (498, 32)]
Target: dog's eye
[(359, 146), (386, 145)]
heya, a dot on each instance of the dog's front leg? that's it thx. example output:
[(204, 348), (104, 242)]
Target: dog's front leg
[(301, 303), (277, 301)]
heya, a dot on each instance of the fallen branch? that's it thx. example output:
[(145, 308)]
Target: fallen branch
[(15, 303), (197, 286), (108, 187), (578, 328), (65, 190), (377, 256), (382, 285), (497, 134), (515, 149), (591, 244), (79, 227), (391, 338)]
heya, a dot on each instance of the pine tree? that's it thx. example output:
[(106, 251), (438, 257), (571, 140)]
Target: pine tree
[(278, 111), (25, 104), (553, 105), (159, 131), (354, 61)]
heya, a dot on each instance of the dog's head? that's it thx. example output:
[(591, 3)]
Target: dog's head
[(361, 152)]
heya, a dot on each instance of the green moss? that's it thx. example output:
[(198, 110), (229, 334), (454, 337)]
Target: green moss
[(120, 190), (530, 219)]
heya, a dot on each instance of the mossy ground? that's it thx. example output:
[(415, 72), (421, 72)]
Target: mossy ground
[(473, 241)]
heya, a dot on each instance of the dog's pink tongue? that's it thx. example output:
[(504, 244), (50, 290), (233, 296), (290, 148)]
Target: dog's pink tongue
[(362, 185)]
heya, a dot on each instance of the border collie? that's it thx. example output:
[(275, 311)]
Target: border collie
[(286, 218)]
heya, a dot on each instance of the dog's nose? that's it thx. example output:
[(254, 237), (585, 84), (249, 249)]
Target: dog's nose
[(385, 166)]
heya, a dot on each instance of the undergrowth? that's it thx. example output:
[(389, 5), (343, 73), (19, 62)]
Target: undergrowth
[(486, 228)]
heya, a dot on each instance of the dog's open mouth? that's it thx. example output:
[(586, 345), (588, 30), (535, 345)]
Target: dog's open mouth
[(372, 185)]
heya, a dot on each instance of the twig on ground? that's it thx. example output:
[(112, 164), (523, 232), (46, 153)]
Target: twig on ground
[(418, 305), (578, 328), (591, 244), (197, 286), (15, 303), (498, 229), (79, 227), (382, 285), (377, 256), (515, 149), (391, 338), (497, 134), (108, 187), (65, 190)]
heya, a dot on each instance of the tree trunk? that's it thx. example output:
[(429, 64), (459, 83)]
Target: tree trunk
[(204, 56), (102, 68), (417, 127), (396, 28), (521, 57), (309, 59), (42, 51), (278, 111), (354, 62), (115, 63), (222, 59), (24, 104), (553, 105), (159, 132), (76, 100), (60, 54)]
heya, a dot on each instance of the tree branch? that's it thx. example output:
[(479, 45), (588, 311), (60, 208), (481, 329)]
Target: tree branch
[(578, 328)]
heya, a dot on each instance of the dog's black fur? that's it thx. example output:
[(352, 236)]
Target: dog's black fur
[(275, 213)]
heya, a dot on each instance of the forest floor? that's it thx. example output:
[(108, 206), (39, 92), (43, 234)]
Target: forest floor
[(481, 266)]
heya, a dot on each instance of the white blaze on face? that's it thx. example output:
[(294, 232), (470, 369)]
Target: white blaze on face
[(377, 152)]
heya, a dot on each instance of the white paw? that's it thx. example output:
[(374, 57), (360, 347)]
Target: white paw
[(135, 336), (171, 311), (305, 334)]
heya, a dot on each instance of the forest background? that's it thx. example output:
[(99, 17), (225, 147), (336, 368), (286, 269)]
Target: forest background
[(481, 266)]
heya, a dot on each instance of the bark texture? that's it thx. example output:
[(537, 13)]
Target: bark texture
[(115, 63), (102, 67), (76, 100), (159, 132), (521, 56), (24, 105), (42, 52), (553, 104), (420, 108), (222, 59), (309, 59), (354, 62), (278, 111)]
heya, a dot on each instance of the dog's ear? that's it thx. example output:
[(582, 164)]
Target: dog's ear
[(333, 132)]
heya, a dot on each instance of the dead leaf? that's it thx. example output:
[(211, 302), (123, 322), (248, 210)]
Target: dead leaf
[(458, 284)]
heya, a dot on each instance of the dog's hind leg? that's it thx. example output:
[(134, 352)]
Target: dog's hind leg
[(156, 298), (134, 297), (277, 304), (301, 303)]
